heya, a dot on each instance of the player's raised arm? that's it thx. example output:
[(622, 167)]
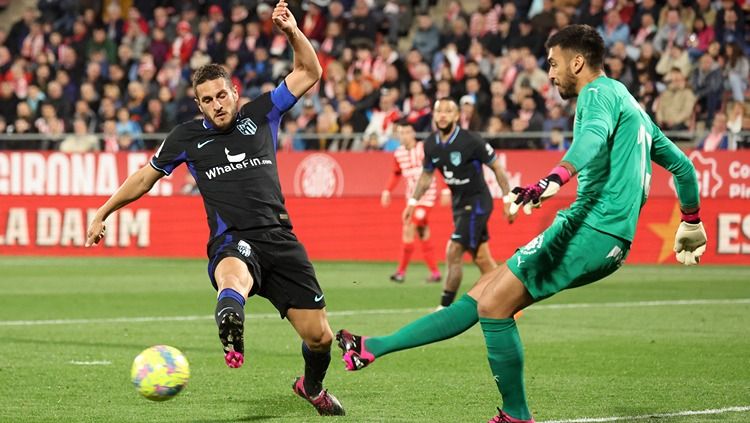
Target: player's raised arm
[(690, 240), (306, 69), (132, 189)]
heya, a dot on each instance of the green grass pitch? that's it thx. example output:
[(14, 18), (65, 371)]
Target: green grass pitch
[(648, 340)]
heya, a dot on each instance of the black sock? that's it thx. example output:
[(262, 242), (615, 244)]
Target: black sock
[(316, 365), (229, 301), (447, 298)]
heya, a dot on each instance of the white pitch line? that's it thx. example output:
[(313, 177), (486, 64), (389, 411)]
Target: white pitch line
[(369, 312), (91, 363), (686, 413)]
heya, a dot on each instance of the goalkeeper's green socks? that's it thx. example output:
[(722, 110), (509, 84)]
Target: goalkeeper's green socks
[(505, 353), (433, 327)]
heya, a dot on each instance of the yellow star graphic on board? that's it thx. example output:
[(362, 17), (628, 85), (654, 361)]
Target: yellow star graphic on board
[(666, 232)]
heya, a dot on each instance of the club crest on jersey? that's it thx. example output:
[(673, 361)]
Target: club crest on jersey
[(244, 248), (247, 126), (455, 158)]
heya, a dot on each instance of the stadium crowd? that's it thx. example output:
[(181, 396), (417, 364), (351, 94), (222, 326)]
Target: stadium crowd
[(77, 68)]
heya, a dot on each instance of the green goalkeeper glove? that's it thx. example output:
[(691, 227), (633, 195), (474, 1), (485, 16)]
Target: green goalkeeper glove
[(690, 241)]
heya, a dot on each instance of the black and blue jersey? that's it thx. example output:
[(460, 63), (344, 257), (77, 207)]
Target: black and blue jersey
[(460, 160), (235, 170)]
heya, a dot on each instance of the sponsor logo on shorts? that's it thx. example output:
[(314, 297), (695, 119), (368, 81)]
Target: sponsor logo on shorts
[(244, 248), (318, 298), (617, 254)]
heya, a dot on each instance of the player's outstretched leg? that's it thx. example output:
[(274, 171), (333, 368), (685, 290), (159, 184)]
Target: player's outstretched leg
[(230, 317), (355, 354), (360, 351)]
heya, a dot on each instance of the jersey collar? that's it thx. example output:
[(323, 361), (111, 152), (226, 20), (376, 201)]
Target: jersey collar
[(452, 137)]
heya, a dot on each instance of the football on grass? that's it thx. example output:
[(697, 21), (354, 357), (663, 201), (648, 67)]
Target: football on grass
[(160, 372)]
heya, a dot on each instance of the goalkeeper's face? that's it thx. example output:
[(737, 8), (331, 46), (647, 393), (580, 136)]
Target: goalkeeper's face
[(561, 72)]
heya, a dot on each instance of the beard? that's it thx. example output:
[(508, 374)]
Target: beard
[(446, 129), (227, 124), (567, 87)]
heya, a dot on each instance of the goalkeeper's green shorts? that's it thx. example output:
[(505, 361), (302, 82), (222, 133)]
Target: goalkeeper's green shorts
[(566, 255)]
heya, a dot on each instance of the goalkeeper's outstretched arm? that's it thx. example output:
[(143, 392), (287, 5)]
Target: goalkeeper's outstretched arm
[(690, 240)]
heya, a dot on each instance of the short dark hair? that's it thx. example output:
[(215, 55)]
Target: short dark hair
[(581, 39), (209, 73)]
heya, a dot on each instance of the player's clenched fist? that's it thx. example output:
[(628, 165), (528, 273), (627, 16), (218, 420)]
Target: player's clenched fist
[(95, 232), (690, 243), (283, 18)]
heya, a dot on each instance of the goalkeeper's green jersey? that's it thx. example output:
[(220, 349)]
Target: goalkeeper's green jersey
[(614, 142)]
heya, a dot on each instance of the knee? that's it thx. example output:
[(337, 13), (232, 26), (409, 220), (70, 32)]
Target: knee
[(233, 281), (319, 340), (486, 305)]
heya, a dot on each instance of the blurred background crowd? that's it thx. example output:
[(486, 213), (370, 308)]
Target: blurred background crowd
[(78, 75)]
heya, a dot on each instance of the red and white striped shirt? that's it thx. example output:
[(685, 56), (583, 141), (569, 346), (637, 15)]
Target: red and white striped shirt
[(408, 163)]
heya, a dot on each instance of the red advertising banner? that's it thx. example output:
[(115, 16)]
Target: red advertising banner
[(46, 200)]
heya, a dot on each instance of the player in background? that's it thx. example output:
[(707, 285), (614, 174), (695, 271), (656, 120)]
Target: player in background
[(231, 152), (407, 162), (459, 156), (615, 142)]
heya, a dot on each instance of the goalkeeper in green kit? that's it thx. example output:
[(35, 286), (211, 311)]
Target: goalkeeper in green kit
[(614, 144)]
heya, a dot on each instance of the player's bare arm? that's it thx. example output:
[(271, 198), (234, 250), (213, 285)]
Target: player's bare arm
[(423, 184), (132, 189), (502, 180), (306, 69)]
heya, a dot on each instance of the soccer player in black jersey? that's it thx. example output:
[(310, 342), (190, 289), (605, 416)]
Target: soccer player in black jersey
[(459, 155), (231, 153)]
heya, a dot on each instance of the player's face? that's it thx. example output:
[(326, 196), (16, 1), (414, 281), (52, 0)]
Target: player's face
[(406, 135), (561, 73), (445, 115), (217, 101)]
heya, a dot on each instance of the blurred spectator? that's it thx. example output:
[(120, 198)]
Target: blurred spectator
[(100, 42), (700, 38), (383, 118), (706, 10), (671, 33), (49, 123), (426, 37), (80, 141), (718, 137), (334, 42), (644, 32), (361, 25), (307, 121), (20, 29), (109, 136), (468, 116), (591, 13), (33, 43), (675, 57), (183, 44), (708, 85), (646, 61), (420, 115), (8, 101), (556, 141), (613, 29), (155, 120), (646, 7), (686, 15), (84, 112), (529, 120), (735, 121), (314, 22), (544, 18), (675, 105), (555, 120), (128, 131), (351, 118), (736, 71)]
